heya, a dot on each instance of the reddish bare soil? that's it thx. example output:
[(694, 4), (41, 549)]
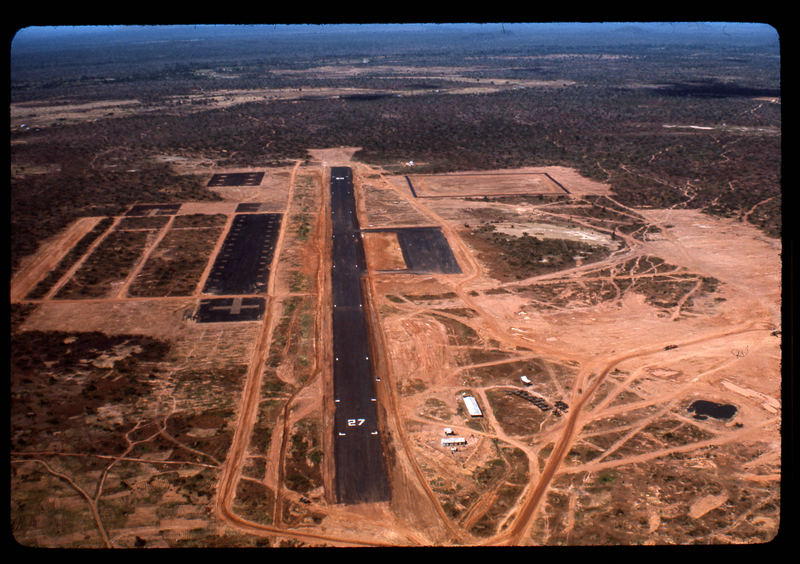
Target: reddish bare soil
[(385, 250), (231, 445)]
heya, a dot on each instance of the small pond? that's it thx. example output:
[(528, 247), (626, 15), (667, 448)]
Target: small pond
[(703, 409)]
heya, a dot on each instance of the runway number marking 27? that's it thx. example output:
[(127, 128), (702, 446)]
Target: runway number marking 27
[(355, 422)]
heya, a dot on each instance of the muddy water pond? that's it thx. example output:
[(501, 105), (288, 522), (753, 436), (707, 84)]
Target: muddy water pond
[(704, 409)]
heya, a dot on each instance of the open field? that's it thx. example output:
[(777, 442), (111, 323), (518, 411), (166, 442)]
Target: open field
[(197, 329), (461, 185)]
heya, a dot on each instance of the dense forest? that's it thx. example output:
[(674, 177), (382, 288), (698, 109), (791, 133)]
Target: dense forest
[(669, 115)]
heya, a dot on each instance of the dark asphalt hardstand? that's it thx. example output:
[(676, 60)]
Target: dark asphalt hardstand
[(222, 310), (360, 472), (425, 250), (242, 265), (236, 179)]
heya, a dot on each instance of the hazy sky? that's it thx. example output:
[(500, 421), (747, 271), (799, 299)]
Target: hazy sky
[(730, 29)]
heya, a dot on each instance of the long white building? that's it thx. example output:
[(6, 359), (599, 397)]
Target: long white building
[(472, 406), (453, 441)]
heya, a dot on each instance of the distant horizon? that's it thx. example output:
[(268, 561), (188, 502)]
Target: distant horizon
[(373, 38), (255, 270), (731, 29)]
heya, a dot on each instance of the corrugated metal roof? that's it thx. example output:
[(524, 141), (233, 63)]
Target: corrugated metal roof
[(454, 441), (472, 406)]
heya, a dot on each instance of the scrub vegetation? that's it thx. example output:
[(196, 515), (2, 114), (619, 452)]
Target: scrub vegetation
[(619, 325)]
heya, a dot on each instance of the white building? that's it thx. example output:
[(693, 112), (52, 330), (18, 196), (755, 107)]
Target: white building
[(453, 441), (472, 406)]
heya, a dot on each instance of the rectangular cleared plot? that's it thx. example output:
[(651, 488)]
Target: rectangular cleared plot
[(134, 222), (175, 267), (108, 266), (243, 263), (460, 185), (199, 221), (52, 278)]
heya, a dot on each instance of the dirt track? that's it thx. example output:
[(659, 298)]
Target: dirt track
[(565, 433), (626, 342), (48, 257), (233, 467)]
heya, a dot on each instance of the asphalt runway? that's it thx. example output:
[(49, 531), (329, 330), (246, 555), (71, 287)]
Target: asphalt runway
[(243, 263), (360, 472)]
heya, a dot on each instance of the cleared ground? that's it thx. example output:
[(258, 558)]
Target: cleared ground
[(464, 185), (196, 431)]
